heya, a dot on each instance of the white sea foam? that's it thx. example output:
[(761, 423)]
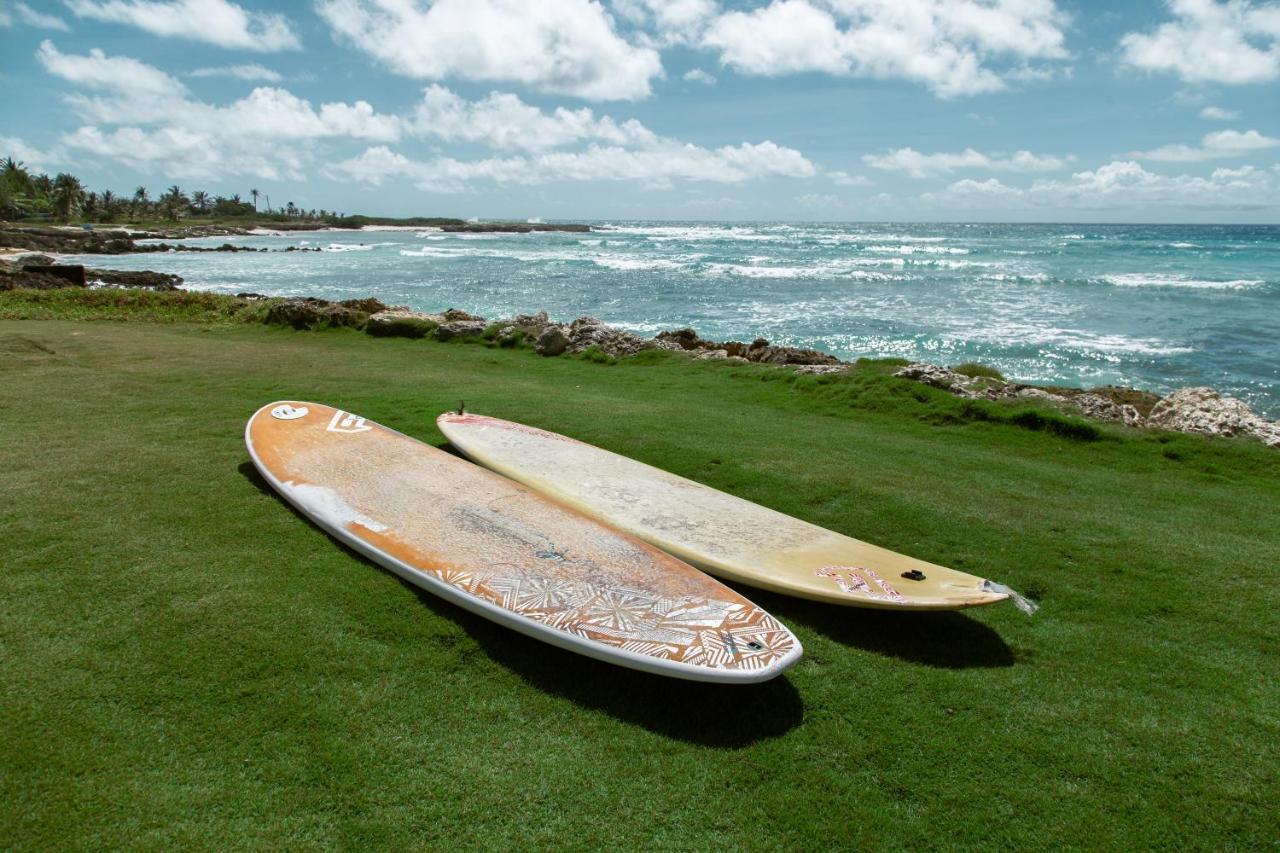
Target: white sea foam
[(825, 270), (1109, 346), (348, 247), (630, 264), (907, 249), (1184, 246), (1178, 280), (691, 233)]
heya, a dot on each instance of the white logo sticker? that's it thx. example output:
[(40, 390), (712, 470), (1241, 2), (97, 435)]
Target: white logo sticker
[(289, 413), (344, 422)]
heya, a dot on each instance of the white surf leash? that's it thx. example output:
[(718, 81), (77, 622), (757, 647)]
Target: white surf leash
[(1023, 603)]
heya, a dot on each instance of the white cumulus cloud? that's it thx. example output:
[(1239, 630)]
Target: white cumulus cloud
[(32, 18), (919, 165), (698, 75), (251, 72), (844, 179), (36, 159), (502, 120), (141, 116), (217, 22), (1214, 146), (1120, 185), (138, 115), (1233, 42), (955, 48), (657, 165), (670, 22), (1219, 114), (567, 47)]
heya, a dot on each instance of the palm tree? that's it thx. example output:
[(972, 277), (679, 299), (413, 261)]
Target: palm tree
[(255, 194), (67, 195), (289, 209), (174, 201), (90, 206), (140, 199), (108, 205), (200, 201)]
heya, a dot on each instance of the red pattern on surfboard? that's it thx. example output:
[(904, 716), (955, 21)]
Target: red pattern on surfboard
[(848, 579)]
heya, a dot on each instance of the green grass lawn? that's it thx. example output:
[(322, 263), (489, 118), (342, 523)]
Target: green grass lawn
[(185, 661)]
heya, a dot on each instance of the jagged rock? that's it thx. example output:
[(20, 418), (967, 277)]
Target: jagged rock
[(686, 338), (402, 323), (142, 279), (460, 328), (587, 332), (979, 387), (1101, 409), (13, 279), (456, 314), (254, 297), (310, 313), (1205, 411), (552, 341), (368, 305), (71, 275), (36, 260), (713, 353), (761, 351), (821, 369), (531, 324)]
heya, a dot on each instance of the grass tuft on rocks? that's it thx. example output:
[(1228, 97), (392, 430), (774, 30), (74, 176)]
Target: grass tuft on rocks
[(975, 370)]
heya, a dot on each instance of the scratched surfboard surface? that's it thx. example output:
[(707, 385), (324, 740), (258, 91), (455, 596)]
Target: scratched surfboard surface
[(510, 554), (717, 532)]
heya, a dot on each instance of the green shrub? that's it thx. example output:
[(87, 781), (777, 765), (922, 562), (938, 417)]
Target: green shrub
[(975, 370)]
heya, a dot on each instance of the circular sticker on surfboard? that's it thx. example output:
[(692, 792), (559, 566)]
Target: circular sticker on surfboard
[(289, 413)]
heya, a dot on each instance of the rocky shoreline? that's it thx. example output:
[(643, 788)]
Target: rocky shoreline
[(1201, 410), (122, 241)]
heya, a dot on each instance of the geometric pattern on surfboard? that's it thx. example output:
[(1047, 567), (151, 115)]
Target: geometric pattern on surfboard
[(691, 630)]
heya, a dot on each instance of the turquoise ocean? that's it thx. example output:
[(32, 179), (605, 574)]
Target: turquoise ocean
[(1155, 307)]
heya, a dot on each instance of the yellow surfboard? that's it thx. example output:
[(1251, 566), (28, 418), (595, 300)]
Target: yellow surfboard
[(509, 554), (719, 533)]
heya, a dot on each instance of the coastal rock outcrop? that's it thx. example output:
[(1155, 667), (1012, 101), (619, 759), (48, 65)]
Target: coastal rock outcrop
[(552, 341), (41, 272), (451, 329), (1206, 412), (1102, 409), (142, 279), (402, 323), (310, 313), (759, 350), (971, 387), (585, 333), (763, 352)]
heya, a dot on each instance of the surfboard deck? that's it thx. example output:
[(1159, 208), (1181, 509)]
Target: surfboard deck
[(509, 554), (717, 532)]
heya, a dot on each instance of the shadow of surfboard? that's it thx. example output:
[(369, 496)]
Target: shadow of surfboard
[(944, 639), (716, 715)]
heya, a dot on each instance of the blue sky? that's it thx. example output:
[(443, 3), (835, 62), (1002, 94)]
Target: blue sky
[(1010, 110)]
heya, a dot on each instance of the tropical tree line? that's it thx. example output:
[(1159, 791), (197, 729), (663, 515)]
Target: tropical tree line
[(64, 198)]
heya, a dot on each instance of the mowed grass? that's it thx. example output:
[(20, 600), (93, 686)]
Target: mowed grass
[(186, 662)]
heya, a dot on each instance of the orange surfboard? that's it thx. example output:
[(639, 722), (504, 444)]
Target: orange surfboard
[(509, 554)]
